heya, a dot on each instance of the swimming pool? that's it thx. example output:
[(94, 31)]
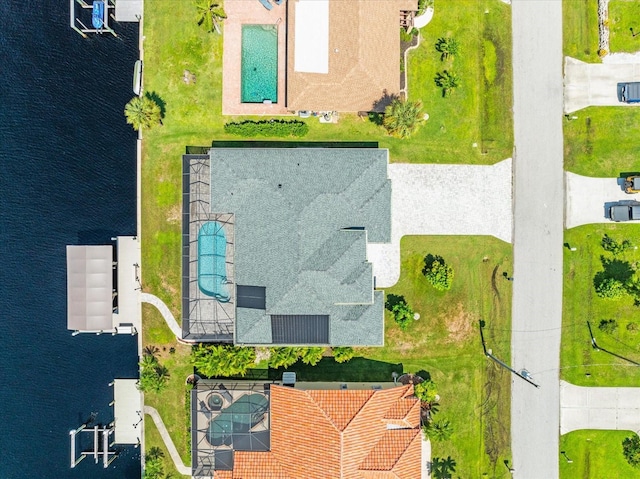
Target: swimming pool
[(212, 261), (259, 63), (247, 411)]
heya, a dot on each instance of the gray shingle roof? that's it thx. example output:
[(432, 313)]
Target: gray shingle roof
[(291, 209)]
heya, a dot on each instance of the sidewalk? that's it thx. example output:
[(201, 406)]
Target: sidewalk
[(173, 452)]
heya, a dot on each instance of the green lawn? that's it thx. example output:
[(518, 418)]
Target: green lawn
[(580, 363), (580, 28), (152, 439), (445, 342), (596, 454), (624, 25), (598, 142)]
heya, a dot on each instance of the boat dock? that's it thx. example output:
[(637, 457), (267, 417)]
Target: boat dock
[(99, 13)]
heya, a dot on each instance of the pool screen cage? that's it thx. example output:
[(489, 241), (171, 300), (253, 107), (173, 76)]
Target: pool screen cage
[(204, 318), (226, 418)]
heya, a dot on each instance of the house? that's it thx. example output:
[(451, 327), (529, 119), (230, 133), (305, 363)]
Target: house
[(309, 433), (344, 56), (274, 245)]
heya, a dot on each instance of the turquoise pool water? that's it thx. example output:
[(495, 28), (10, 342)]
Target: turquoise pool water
[(239, 418), (212, 261), (259, 63)]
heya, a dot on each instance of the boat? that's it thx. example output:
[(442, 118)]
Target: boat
[(137, 77), (97, 15)]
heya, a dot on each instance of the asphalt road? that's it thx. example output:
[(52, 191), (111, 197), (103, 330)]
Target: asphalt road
[(538, 235)]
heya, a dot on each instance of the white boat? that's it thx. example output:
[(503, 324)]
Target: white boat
[(137, 77)]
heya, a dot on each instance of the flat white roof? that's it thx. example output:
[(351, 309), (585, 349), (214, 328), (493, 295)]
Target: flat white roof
[(128, 10), (127, 411), (89, 288), (311, 49)]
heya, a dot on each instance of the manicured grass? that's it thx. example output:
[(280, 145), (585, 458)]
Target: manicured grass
[(599, 142), (152, 438), (445, 342), (595, 454), (479, 111), (170, 403), (580, 28), (624, 25), (581, 304)]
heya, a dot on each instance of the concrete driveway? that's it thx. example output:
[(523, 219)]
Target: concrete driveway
[(595, 84), (598, 408), (587, 198), (443, 200)]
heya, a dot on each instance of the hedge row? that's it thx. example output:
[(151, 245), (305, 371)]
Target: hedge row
[(280, 128)]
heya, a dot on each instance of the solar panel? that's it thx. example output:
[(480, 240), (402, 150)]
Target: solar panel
[(300, 329)]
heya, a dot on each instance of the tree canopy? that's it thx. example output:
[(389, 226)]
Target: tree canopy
[(402, 118), (142, 112)]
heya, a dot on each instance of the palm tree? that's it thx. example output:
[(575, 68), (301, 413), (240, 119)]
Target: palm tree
[(448, 81), (402, 118), (150, 350), (218, 360), (448, 47), (438, 430), (148, 362), (210, 15), (142, 112), (443, 468)]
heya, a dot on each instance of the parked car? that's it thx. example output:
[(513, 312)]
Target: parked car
[(632, 184), (624, 212), (629, 92)]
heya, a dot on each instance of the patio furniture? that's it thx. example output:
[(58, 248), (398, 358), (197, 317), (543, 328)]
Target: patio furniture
[(266, 4)]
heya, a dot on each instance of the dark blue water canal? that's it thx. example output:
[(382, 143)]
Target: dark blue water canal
[(67, 176)]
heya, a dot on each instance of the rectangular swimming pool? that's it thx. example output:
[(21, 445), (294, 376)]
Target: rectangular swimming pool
[(259, 63)]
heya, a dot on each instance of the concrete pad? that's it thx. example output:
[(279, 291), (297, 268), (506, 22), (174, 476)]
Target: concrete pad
[(587, 198), (595, 84), (598, 408), (431, 199)]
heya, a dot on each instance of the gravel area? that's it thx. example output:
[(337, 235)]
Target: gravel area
[(443, 200)]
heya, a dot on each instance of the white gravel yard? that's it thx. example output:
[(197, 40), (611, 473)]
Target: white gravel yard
[(587, 198), (443, 200)]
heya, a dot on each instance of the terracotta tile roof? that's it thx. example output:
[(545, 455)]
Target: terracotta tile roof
[(340, 406), (405, 412), (223, 475), (253, 464), (335, 434), (388, 450), (364, 57)]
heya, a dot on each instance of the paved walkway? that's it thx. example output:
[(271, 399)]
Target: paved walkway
[(596, 84), (443, 200), (598, 408), (173, 452), (538, 235), (164, 310), (588, 199)]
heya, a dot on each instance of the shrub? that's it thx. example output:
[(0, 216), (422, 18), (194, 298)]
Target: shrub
[(611, 288), (402, 315), (284, 357), (448, 81), (602, 52), (279, 128), (426, 391), (633, 327), (343, 354), (631, 450), (222, 360), (437, 272), (447, 47), (311, 356), (608, 326), (153, 467), (611, 245)]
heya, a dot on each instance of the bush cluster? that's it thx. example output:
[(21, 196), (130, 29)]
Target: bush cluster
[(153, 375), (277, 128), (222, 360), (437, 272), (615, 247)]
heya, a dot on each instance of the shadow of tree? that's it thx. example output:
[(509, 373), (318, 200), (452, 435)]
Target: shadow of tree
[(383, 102), (616, 269), (152, 95)]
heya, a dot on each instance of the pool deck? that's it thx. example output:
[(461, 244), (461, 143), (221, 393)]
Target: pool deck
[(250, 12)]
